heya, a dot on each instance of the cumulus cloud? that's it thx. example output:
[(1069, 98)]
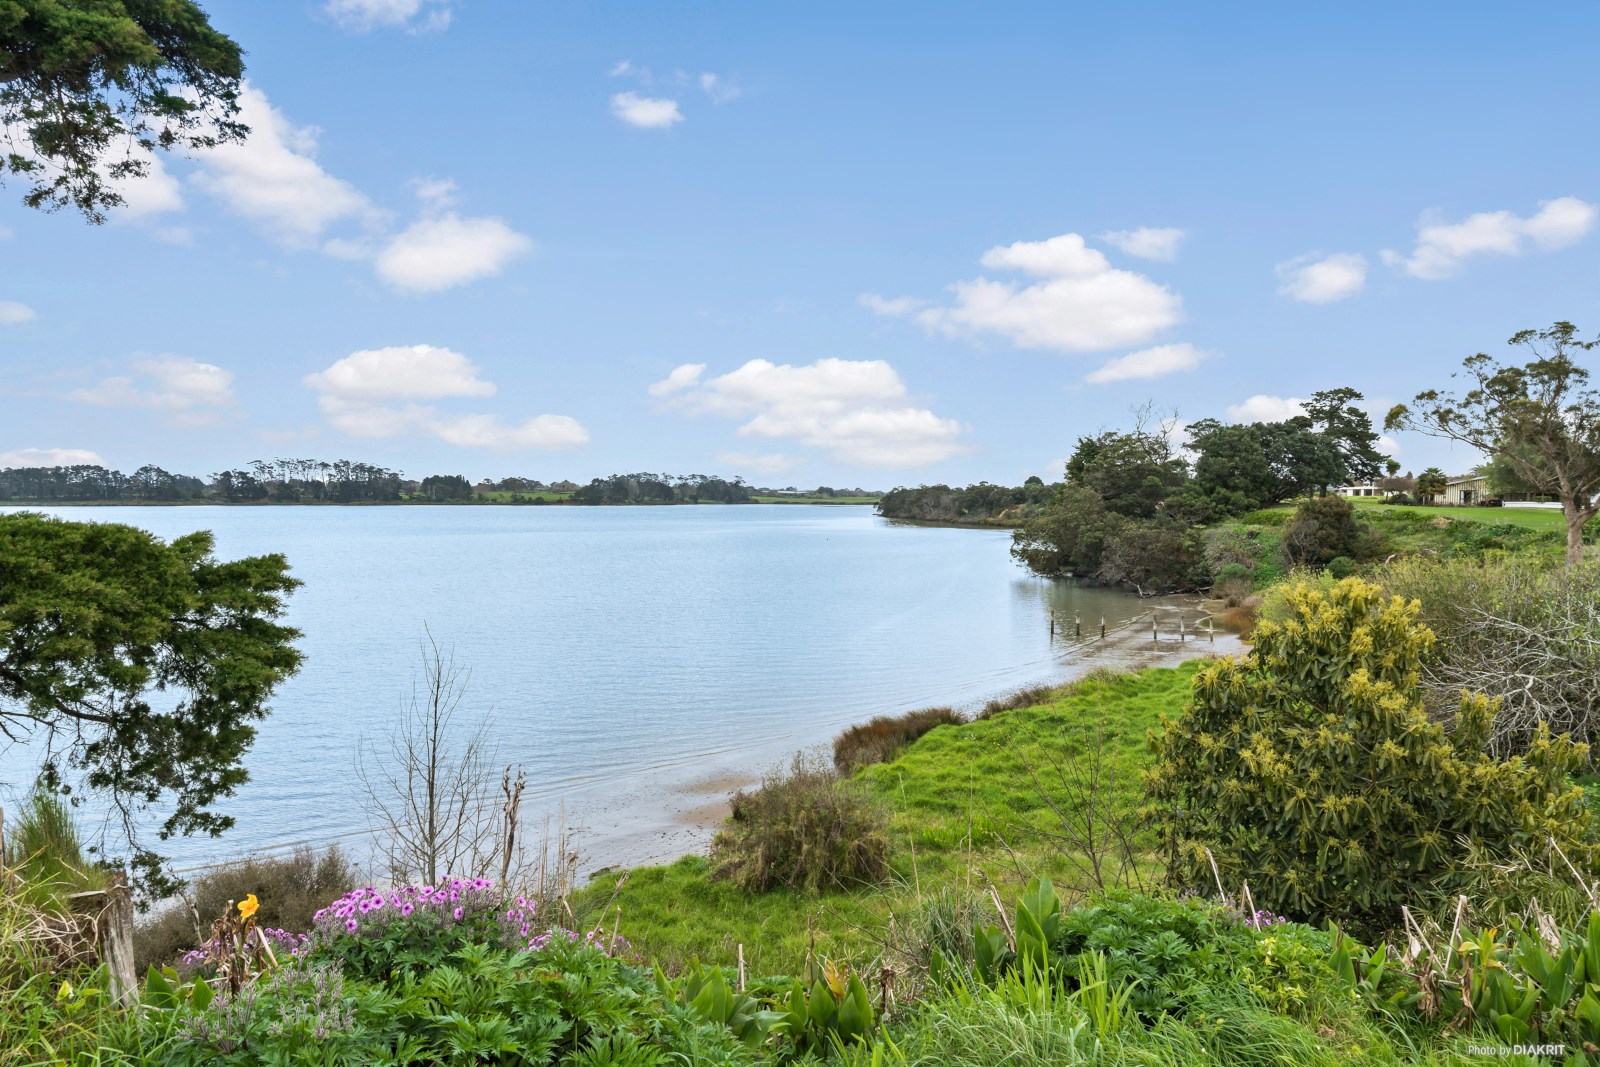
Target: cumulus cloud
[(414, 16), (1079, 304), (13, 313), (194, 393), (684, 377), (50, 457), (858, 411), (374, 393), (1261, 408), (1442, 247), (1318, 279), (274, 180), (1148, 363), (444, 252), (414, 372), (1147, 242), (646, 112)]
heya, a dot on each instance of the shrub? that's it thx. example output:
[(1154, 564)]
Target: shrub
[(1341, 567), (1518, 628), (881, 739), (1309, 769), (803, 828), (290, 889), (1323, 529)]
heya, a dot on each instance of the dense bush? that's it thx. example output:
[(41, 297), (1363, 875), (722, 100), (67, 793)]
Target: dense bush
[(881, 739), (290, 888), (1027, 697), (803, 828), (1309, 769), (1519, 628), (1325, 528)]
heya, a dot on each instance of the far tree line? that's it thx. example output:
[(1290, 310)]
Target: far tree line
[(343, 481)]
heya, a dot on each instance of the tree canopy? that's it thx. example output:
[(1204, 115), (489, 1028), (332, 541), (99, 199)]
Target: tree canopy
[(1539, 422), (138, 668), (89, 89)]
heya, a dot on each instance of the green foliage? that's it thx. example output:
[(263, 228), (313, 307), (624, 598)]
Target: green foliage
[(82, 79), (45, 851), (1310, 770), (1341, 567), (1325, 528), (290, 889), (705, 990), (803, 828), (94, 617), (830, 1010), (882, 738)]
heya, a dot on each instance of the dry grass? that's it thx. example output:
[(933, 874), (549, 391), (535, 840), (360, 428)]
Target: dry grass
[(881, 739)]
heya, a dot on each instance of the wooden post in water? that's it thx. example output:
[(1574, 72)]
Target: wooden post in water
[(1182, 634), (1102, 627), (1154, 634), (1211, 630), (1052, 624), (1077, 627)]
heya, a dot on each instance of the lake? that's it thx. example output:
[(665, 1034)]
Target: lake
[(637, 662)]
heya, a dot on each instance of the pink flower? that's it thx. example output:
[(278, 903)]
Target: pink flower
[(458, 913), (350, 924), (405, 909)]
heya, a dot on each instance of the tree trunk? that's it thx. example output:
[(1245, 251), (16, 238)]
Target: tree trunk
[(1576, 516)]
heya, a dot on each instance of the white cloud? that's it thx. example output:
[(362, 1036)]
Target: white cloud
[(372, 393), (681, 378), (1147, 242), (622, 68), (1443, 246), (1313, 280), (410, 372), (767, 463), (1260, 408), (13, 313), (896, 307), (1082, 303), (1148, 363), (856, 410), (1388, 445), (646, 112), (194, 392), (415, 16), (50, 457), (718, 88), (274, 180), (441, 253)]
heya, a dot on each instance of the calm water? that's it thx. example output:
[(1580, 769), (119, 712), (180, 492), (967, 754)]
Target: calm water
[(637, 662)]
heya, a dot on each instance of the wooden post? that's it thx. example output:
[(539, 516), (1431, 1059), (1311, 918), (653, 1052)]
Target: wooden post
[(741, 966), (1211, 631), (1182, 634), (1154, 634), (1052, 624), (114, 935), (1077, 627), (1102, 627)]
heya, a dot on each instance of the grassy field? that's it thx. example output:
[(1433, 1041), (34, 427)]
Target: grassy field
[(1543, 519), (963, 806)]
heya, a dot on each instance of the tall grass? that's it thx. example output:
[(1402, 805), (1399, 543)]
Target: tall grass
[(46, 852), (881, 739)]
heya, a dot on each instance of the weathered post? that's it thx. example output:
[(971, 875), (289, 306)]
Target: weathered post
[(1102, 627), (114, 935), (1211, 631), (1077, 626), (1052, 624)]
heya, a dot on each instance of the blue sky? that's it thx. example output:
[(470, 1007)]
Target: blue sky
[(810, 243)]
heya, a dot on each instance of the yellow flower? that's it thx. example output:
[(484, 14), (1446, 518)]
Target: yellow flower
[(248, 906)]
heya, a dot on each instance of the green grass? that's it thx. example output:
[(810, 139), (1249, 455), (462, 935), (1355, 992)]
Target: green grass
[(962, 806)]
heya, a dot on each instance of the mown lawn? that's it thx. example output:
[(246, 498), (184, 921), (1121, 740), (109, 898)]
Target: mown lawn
[(964, 803)]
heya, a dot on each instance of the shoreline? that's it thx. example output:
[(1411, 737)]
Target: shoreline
[(697, 809)]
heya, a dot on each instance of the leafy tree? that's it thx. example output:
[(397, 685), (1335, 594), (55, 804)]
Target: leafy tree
[(1431, 482), (1132, 472), (138, 667), (446, 487), (1310, 770), (1540, 419), (1255, 465), (92, 87), (1333, 413), (1068, 538)]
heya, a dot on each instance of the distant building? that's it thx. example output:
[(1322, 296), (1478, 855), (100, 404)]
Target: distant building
[(1466, 490), (1368, 488)]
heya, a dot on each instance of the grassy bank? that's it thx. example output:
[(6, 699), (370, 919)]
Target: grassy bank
[(959, 812)]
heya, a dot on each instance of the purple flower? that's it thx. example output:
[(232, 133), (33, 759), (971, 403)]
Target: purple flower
[(458, 913), (405, 909), (351, 924)]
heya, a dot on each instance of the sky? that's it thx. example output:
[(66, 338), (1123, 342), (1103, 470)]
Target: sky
[(810, 243)]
